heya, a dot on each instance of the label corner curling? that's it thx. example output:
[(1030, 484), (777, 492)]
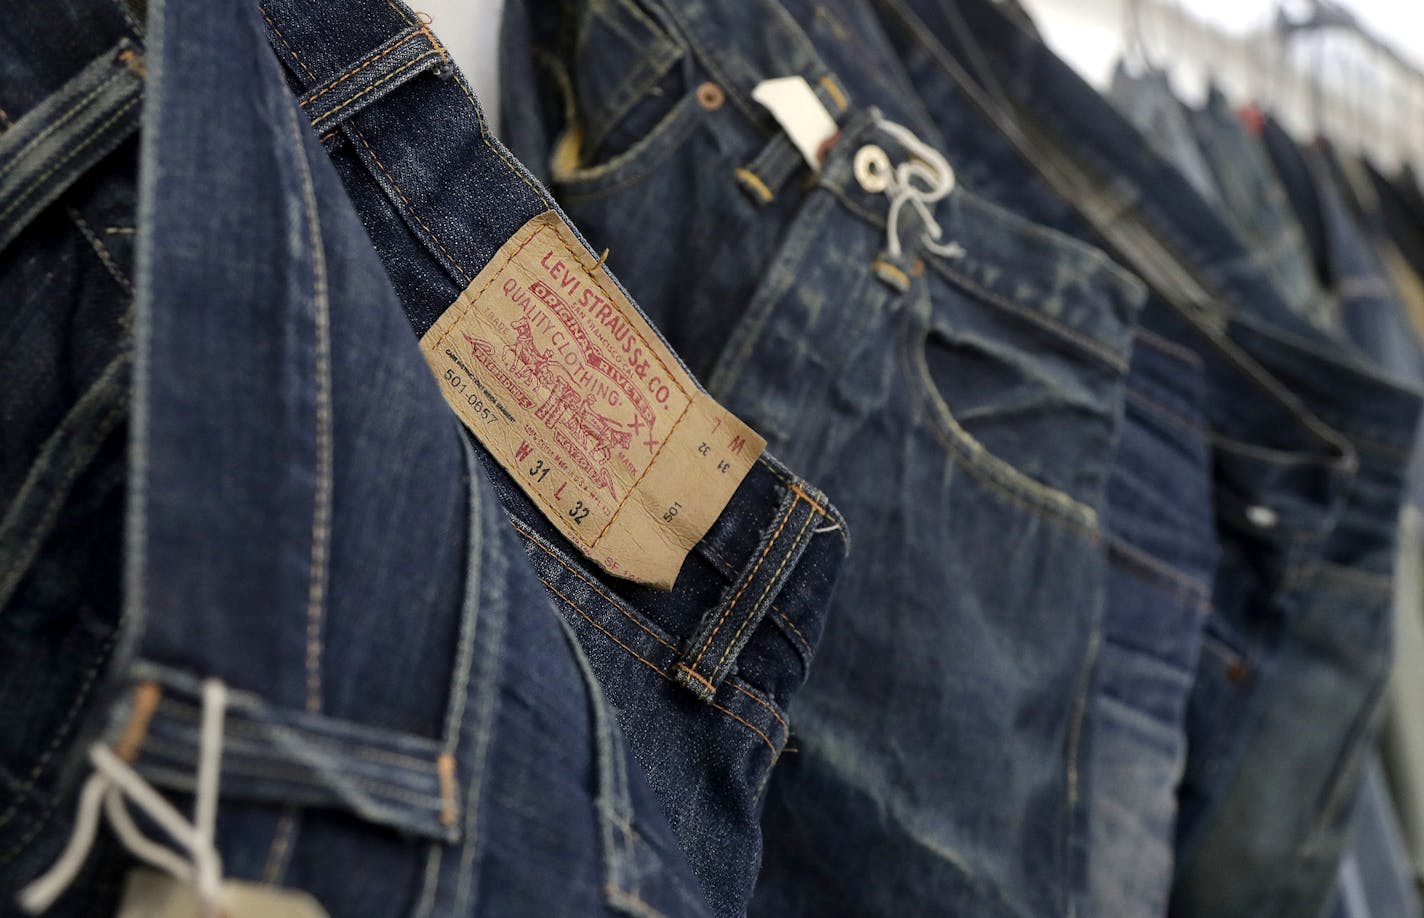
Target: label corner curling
[(565, 383)]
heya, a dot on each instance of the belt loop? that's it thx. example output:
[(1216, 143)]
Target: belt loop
[(712, 652)]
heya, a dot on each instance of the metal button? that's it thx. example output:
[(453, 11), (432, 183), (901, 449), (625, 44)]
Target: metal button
[(872, 168), (710, 96)]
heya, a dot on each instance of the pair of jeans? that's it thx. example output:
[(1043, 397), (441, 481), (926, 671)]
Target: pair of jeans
[(1162, 548), (961, 406), (1308, 475), (1256, 204), (70, 84), (410, 726), (1147, 100), (437, 196)]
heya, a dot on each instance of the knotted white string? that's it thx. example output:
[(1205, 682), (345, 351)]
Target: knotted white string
[(936, 177), (113, 783)]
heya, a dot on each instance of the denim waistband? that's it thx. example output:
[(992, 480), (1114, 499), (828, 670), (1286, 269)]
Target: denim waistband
[(461, 198)]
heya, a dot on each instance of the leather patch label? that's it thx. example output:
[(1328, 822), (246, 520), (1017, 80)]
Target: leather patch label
[(568, 386)]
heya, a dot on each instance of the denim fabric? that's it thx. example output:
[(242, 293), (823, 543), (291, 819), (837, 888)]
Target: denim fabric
[(1309, 449), (1162, 548), (1147, 100), (438, 195), (940, 736), (411, 728), (70, 84), (1256, 204), (1402, 747)]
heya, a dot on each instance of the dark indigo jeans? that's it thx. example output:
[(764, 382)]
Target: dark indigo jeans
[(961, 409), (1307, 474), (70, 90), (1163, 552), (437, 196), (411, 727)]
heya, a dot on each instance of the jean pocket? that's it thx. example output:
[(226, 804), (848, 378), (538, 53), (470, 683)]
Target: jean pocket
[(628, 95), (1036, 426)]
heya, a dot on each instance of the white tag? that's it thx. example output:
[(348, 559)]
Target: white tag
[(149, 894), (795, 106)]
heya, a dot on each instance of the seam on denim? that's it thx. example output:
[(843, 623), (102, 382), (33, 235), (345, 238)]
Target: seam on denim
[(706, 644), (119, 230), (400, 41), (1104, 353), (772, 581), (558, 227), (429, 882), (1167, 346), (769, 295), (382, 794), (322, 421), (771, 708), (1185, 585), (800, 638), (279, 852), (653, 634), (1221, 441), (1222, 649), (828, 82), (640, 83), (686, 112), (262, 7), (409, 206), (776, 613), (1159, 579), (469, 612), (611, 601), (941, 264), (1381, 582), (60, 736), (88, 141), (182, 713), (413, 63), (986, 466), (655, 668), (14, 573), (75, 109), (630, 902), (100, 250)]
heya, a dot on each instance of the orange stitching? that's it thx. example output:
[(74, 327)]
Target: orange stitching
[(749, 726), (372, 88), (804, 496), (746, 620), (145, 703), (684, 668), (449, 810), (746, 583), (458, 267), (351, 73), (655, 668), (288, 45), (579, 574), (781, 720), (781, 616)]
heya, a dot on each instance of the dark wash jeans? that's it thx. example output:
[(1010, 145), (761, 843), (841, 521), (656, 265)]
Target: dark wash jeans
[(411, 727), (69, 113), (1308, 457), (438, 195), (961, 409), (1163, 553)]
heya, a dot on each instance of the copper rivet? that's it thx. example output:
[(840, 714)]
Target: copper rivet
[(1236, 671), (710, 96), (918, 268)]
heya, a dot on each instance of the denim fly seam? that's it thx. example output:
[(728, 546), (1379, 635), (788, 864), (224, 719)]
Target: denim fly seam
[(307, 524), (70, 84), (700, 676), (919, 389)]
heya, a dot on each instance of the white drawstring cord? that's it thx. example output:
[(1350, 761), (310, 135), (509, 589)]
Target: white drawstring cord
[(930, 166), (113, 781)]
